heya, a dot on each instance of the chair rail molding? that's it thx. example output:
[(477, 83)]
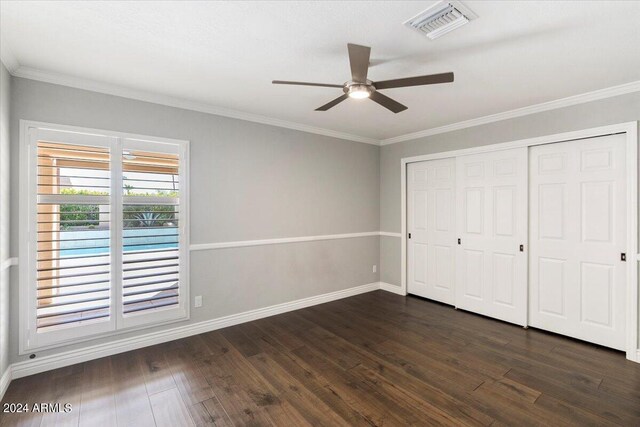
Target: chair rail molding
[(279, 241)]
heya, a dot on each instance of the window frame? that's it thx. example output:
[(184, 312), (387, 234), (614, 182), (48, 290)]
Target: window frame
[(32, 131)]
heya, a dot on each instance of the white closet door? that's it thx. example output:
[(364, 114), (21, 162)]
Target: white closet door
[(578, 232), (491, 273), (431, 223)]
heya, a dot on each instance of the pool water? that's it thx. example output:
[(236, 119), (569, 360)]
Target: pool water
[(97, 241)]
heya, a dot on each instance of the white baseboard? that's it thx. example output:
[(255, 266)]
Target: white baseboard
[(391, 288), (4, 381), (59, 360), (35, 366)]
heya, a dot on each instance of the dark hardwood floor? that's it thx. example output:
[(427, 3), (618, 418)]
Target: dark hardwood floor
[(374, 359)]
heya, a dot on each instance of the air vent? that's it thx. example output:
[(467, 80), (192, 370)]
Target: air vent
[(441, 18)]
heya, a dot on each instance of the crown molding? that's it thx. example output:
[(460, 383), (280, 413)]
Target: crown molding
[(65, 80), (519, 112), (8, 59), (109, 89)]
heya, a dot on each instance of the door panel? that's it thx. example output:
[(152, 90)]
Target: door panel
[(431, 222), (552, 286), (504, 279), (578, 230), (474, 210), (473, 265), (491, 209)]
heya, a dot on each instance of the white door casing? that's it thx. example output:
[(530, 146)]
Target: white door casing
[(431, 222), (578, 232), (491, 210)]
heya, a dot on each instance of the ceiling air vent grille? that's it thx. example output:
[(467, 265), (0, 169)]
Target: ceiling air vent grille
[(441, 18)]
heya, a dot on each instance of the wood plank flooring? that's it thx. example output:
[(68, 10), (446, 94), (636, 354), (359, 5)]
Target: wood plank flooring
[(370, 360)]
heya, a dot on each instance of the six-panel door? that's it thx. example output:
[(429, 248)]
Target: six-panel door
[(491, 209), (578, 232), (431, 223)]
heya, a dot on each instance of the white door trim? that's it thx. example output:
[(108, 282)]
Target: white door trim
[(631, 131)]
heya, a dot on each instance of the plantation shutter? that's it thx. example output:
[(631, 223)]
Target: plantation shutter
[(151, 231), (72, 237), (106, 240)]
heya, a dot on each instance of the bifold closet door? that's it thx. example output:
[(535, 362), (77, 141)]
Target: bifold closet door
[(431, 225), (491, 209), (578, 232)]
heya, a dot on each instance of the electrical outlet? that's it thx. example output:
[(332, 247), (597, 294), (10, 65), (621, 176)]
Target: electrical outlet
[(198, 301), (375, 268)]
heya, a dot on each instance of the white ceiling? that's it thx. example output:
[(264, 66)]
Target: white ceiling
[(226, 54)]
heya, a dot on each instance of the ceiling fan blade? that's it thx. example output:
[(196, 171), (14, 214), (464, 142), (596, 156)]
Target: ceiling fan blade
[(333, 103), (285, 82), (387, 102), (415, 81), (359, 61)]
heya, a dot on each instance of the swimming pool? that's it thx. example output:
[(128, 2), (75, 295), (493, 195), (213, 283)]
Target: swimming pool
[(90, 242)]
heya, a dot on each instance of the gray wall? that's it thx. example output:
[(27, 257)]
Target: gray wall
[(248, 181), (5, 83)]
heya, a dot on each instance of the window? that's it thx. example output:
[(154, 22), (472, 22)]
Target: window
[(104, 225)]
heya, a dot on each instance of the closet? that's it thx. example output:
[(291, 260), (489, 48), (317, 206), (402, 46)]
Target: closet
[(531, 235)]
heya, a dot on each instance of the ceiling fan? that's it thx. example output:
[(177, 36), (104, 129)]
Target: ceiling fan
[(359, 87)]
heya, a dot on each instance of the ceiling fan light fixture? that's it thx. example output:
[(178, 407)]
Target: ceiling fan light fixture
[(358, 90), (359, 94)]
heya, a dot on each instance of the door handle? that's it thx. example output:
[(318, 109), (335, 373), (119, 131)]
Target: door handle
[(623, 257), (521, 248), (459, 241), (409, 235)]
